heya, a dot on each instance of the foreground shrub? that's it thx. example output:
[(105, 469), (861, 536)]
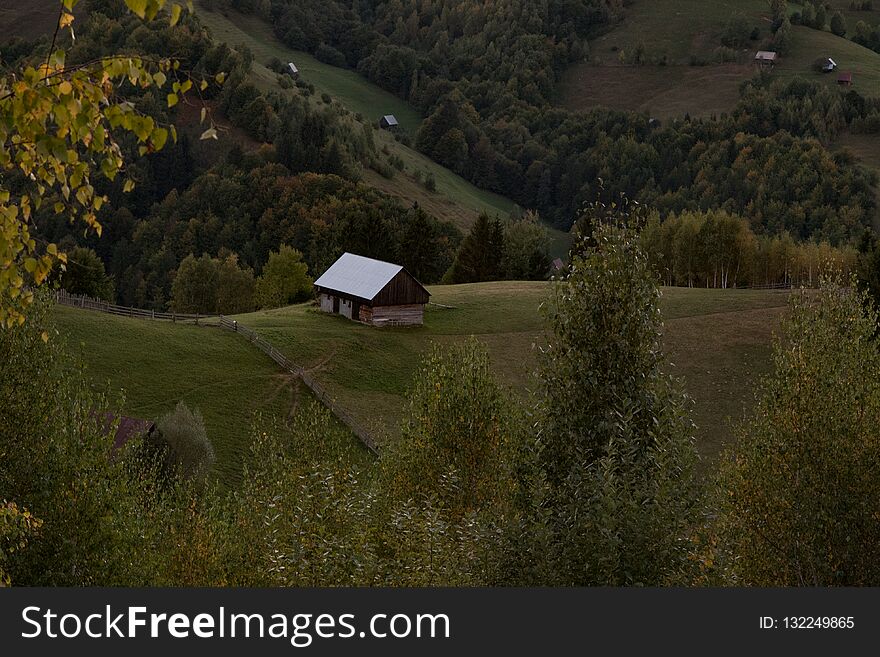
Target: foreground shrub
[(799, 496)]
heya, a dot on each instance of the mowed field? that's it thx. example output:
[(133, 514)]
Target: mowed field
[(718, 341), (663, 92), (455, 199), (147, 367)]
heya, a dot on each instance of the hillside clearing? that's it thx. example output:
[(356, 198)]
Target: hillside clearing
[(680, 31), (676, 29), (808, 45), (659, 91), (153, 365), (719, 341)]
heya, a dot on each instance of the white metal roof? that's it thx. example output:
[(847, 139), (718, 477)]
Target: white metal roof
[(358, 276), (390, 119), (765, 54), (292, 67)]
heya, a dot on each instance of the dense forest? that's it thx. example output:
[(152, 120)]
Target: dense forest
[(484, 75)]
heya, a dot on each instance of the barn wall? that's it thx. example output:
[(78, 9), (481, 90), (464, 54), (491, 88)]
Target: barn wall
[(326, 303), (345, 307), (403, 289), (405, 315)]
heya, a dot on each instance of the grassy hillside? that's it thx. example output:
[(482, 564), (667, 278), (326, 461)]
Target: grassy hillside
[(30, 19), (808, 45), (682, 30), (676, 29), (154, 365), (455, 199), (661, 91), (718, 340)]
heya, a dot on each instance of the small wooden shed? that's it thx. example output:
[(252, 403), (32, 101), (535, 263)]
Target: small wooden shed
[(389, 122), (828, 65), (766, 58), (372, 291), (845, 79), (292, 70)]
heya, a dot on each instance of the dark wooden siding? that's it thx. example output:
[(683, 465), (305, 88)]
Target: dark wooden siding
[(401, 290)]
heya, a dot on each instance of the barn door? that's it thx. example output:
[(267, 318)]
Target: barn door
[(336, 304)]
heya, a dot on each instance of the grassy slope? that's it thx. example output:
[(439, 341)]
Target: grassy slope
[(808, 45), (455, 199), (30, 19), (718, 340), (675, 29), (681, 28), (660, 91), (157, 364)]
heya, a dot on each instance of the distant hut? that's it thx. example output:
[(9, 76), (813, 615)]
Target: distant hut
[(828, 65), (292, 70), (845, 79), (557, 264), (389, 122), (372, 291), (766, 59)]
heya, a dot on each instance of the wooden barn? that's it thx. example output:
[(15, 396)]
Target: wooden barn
[(292, 70), (389, 122), (371, 291), (845, 79), (766, 59)]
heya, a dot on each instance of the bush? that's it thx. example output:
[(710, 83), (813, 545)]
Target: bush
[(326, 99), (430, 182), (838, 24), (276, 65), (798, 495), (85, 274), (329, 55), (736, 32), (186, 449), (285, 279)]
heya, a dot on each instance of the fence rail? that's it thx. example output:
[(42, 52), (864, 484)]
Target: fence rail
[(88, 303), (79, 301), (317, 389)]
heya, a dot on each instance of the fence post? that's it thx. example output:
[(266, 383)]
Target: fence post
[(197, 319)]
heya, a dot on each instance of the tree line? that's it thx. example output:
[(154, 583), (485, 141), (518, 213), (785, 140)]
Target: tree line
[(720, 250)]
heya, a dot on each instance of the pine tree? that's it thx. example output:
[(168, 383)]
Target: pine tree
[(479, 257)]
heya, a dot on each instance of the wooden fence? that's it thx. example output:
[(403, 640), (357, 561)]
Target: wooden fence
[(88, 303), (319, 391)]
